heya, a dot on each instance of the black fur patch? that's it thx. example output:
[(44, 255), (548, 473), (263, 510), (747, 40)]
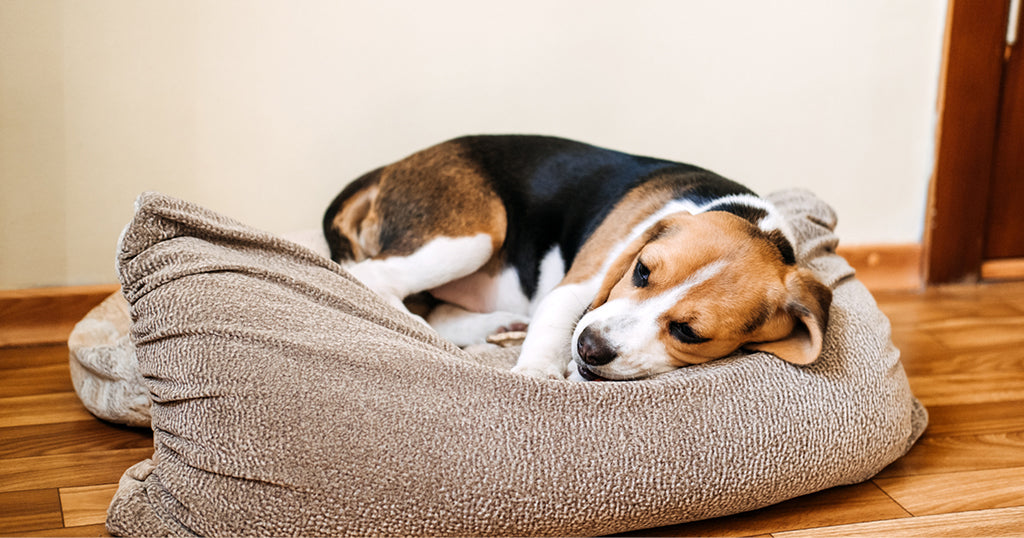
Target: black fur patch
[(777, 238), (755, 215), (556, 192)]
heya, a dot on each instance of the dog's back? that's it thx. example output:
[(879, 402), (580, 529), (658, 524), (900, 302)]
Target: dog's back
[(554, 193)]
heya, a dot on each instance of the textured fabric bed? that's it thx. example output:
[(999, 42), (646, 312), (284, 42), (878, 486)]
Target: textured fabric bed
[(289, 400)]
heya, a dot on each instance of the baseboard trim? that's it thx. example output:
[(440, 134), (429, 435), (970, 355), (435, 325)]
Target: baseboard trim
[(46, 315), (1003, 269), (886, 267)]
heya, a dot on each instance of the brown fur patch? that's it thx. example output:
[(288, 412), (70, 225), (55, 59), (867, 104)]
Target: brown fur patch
[(436, 192), (627, 214), (358, 222)]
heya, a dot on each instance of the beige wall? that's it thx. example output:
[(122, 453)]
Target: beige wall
[(264, 109)]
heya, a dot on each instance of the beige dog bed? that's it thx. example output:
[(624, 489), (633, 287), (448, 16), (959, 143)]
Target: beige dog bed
[(289, 400)]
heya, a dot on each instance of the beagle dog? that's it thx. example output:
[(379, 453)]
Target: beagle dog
[(626, 266)]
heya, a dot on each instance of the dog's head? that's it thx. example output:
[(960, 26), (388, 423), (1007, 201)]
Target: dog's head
[(693, 288)]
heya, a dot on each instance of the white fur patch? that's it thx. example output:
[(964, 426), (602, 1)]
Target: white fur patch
[(632, 328), (545, 351), (508, 293), (552, 271), (439, 261)]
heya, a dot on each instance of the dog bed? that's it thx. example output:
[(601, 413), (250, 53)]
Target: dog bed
[(287, 399)]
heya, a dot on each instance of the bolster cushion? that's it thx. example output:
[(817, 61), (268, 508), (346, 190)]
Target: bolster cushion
[(287, 399)]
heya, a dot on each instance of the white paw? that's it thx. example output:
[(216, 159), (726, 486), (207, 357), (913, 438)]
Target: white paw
[(549, 371), (468, 328), (498, 322)]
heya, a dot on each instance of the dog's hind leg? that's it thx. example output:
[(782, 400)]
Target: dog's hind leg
[(438, 262), (417, 224)]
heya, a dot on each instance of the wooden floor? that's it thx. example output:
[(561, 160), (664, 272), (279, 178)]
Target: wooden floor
[(963, 349)]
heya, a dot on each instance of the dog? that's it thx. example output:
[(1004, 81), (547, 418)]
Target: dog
[(626, 266)]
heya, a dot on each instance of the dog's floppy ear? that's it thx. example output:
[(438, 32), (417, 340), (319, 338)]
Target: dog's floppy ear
[(808, 302), (624, 262)]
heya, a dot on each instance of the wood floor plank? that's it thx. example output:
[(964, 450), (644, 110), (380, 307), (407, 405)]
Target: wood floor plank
[(42, 409), (977, 419), (917, 346), (944, 361), (86, 531), (35, 380), (29, 510), (913, 312), (977, 332), (86, 505), (966, 438), (29, 356), (969, 388), (997, 523), (939, 455), (1016, 302), (1003, 291), (69, 470), (834, 506), (957, 492), (70, 438)]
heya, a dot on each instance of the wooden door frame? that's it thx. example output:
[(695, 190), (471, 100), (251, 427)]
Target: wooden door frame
[(969, 92)]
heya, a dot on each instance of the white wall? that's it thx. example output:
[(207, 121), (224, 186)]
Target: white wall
[(263, 110)]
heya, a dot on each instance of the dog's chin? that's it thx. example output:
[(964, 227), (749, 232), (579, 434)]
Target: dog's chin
[(589, 375)]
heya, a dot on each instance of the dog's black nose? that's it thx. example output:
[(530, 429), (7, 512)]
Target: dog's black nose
[(593, 349)]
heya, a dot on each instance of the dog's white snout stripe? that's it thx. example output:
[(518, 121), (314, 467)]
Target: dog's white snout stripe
[(661, 303), (632, 327)]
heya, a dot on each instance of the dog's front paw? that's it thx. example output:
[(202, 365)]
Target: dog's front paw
[(541, 372), (511, 335)]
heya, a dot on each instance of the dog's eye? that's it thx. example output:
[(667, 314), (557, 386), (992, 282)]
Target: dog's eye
[(684, 333), (640, 275)]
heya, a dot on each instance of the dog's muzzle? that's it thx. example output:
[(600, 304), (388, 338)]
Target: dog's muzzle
[(593, 349)]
